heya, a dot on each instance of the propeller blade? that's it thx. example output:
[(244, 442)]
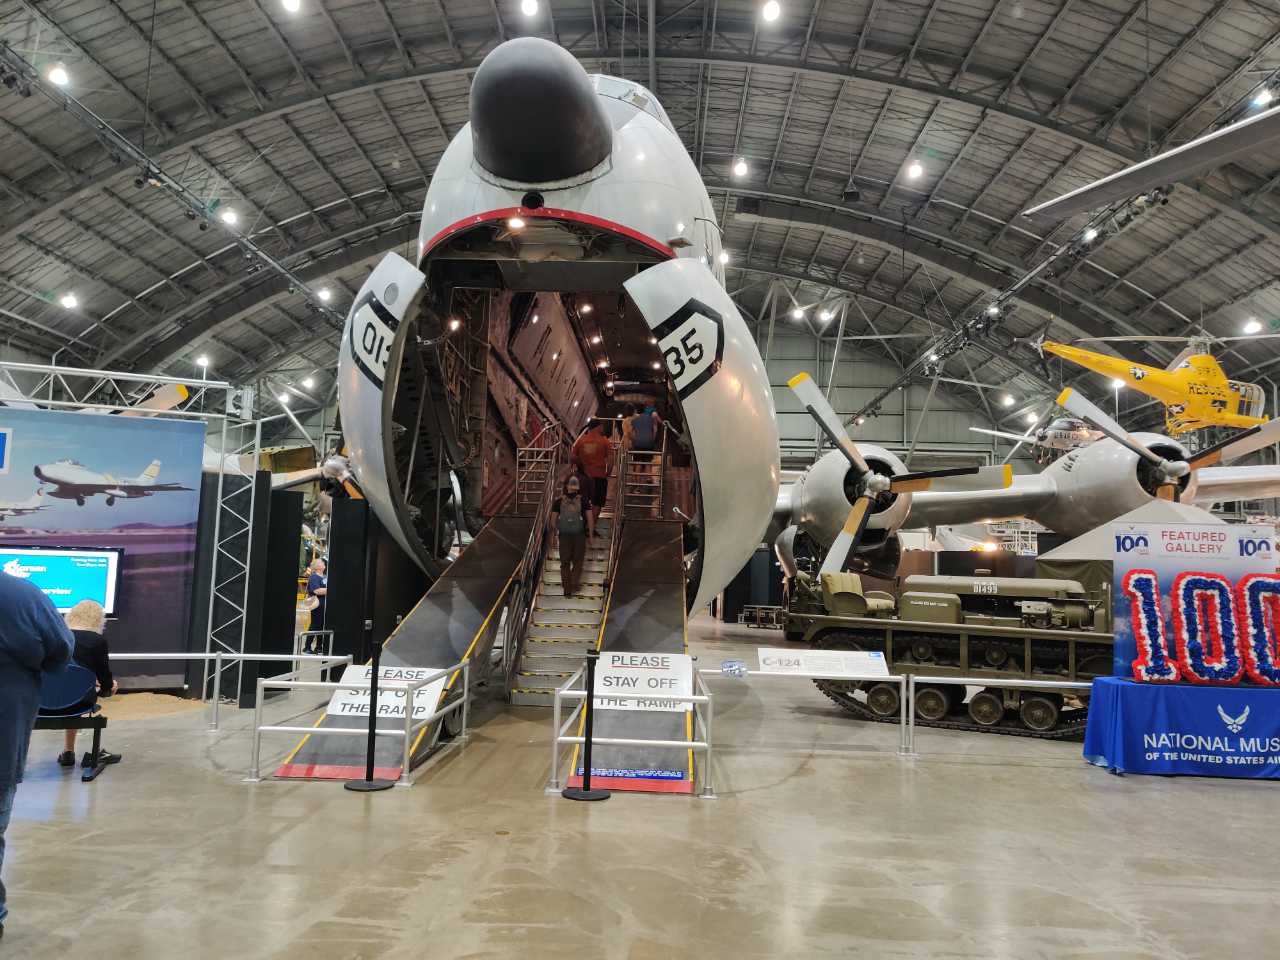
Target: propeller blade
[(959, 480), (1085, 409), (816, 405), (1233, 448), (849, 537)]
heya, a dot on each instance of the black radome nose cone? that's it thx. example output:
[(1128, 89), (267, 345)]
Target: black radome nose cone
[(534, 114)]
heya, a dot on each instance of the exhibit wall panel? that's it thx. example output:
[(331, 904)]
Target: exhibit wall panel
[(84, 480)]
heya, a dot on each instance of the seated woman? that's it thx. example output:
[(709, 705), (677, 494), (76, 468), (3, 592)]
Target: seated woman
[(86, 620)]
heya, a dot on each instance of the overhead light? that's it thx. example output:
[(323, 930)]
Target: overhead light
[(679, 228), (291, 6), (529, 7), (325, 294), (724, 256), (308, 383), (1117, 384), (653, 340), (1090, 235), (1264, 96), (989, 547), (58, 75), (585, 308), (860, 421), (455, 323), (771, 10), (575, 403), (1030, 416), (915, 171), (993, 310), (283, 398), (825, 315), (229, 217), (797, 313), (608, 384), (69, 300), (535, 319), (596, 338), (933, 358), (603, 364), (1007, 401), (740, 167), (555, 356), (515, 223), (202, 361), (657, 365), (1253, 326)]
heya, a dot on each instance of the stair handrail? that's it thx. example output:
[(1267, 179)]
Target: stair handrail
[(528, 575)]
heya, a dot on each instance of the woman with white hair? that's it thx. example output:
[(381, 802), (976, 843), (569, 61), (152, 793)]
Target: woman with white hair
[(87, 620)]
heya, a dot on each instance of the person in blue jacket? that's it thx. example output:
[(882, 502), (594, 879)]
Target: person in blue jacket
[(33, 639)]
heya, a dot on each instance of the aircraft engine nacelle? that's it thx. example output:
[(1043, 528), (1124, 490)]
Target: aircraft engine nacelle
[(822, 497)]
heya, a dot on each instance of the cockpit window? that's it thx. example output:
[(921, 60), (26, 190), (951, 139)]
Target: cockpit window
[(632, 93)]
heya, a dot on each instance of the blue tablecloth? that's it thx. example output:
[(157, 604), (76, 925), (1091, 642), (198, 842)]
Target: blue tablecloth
[(1184, 729)]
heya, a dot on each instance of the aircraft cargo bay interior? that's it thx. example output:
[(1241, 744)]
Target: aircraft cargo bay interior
[(718, 479)]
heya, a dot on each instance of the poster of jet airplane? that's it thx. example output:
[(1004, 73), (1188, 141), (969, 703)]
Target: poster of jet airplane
[(72, 480), (21, 508)]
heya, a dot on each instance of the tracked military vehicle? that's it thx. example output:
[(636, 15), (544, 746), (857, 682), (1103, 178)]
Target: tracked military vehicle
[(963, 626)]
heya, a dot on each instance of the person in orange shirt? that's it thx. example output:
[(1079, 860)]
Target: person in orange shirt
[(591, 456)]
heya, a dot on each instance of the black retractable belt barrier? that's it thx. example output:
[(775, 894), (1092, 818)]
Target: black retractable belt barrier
[(585, 792), (369, 784)]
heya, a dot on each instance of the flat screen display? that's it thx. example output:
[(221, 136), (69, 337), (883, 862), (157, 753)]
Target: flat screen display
[(67, 575)]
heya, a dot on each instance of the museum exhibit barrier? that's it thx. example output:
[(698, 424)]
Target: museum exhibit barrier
[(410, 730), (220, 658), (1012, 683), (560, 735), (905, 704)]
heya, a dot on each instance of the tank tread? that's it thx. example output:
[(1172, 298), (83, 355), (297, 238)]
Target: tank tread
[(1071, 723), (1070, 727)]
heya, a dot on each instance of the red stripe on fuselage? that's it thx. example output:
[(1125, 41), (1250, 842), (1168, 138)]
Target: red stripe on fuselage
[(549, 213)]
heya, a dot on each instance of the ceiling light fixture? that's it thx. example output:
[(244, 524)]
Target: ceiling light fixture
[(291, 6), (825, 315), (596, 339), (308, 383), (585, 308), (455, 323), (1117, 384), (797, 313), (771, 11), (603, 364), (69, 300), (860, 421), (229, 217), (653, 340), (915, 171), (529, 7), (325, 294), (202, 361), (283, 398), (535, 319), (1007, 401), (993, 310), (740, 167), (1091, 235), (1030, 417), (657, 365), (1253, 326), (933, 358), (58, 75), (555, 356), (1264, 96), (515, 223), (724, 256)]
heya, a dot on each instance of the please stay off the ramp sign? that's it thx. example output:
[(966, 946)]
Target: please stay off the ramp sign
[(669, 674)]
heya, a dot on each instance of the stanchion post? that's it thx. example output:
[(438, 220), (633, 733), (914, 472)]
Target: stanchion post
[(254, 773), (217, 690), (410, 696), (708, 791), (553, 783), (903, 746), (585, 792), (466, 698), (369, 784), (911, 713)]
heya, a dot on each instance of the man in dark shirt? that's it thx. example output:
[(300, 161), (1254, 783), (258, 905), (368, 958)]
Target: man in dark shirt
[(573, 523), (318, 587), (33, 639)]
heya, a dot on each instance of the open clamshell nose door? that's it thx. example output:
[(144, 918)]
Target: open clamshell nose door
[(369, 360), (718, 376)]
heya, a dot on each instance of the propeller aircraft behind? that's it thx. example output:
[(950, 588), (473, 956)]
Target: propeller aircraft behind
[(71, 480)]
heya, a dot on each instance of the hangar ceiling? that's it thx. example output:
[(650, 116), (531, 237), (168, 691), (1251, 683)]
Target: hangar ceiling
[(320, 127)]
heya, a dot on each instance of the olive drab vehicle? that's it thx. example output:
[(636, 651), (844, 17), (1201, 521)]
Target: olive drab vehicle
[(963, 626)]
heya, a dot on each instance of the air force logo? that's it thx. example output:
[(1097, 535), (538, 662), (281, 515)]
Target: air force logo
[(1234, 724)]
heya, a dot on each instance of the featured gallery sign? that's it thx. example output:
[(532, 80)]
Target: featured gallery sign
[(1196, 602)]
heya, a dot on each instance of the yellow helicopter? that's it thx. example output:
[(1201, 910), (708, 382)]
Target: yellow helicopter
[(1193, 388)]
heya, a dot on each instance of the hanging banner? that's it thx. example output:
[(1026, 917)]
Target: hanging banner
[(1196, 603)]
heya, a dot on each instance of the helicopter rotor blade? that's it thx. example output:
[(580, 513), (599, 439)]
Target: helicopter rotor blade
[(1233, 448)]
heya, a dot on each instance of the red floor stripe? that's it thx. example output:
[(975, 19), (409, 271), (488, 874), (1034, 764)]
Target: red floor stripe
[(333, 771), (636, 784)]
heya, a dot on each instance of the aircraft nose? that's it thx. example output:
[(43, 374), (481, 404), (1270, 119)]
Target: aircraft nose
[(534, 114)]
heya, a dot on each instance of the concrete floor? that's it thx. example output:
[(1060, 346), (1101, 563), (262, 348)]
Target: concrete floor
[(823, 843)]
